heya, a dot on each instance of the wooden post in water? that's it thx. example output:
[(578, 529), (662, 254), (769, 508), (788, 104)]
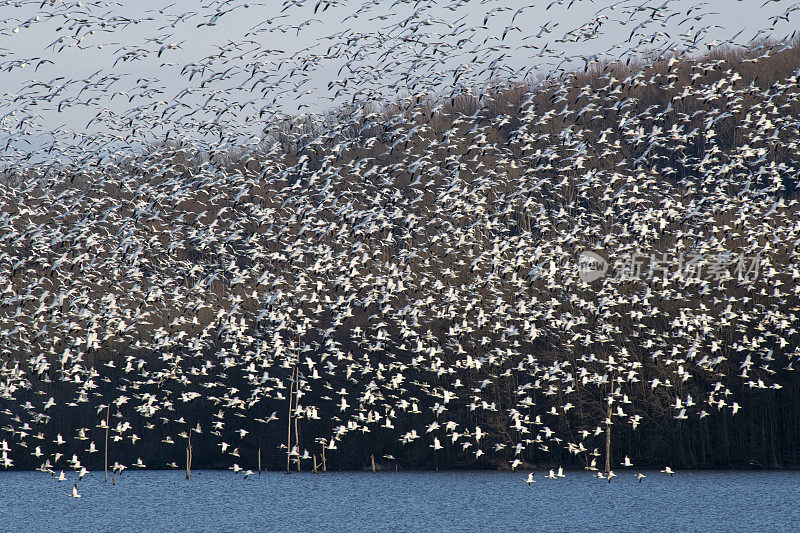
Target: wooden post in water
[(324, 466), (608, 438), (373, 463), (189, 455), (289, 432), (315, 464), (108, 417), (259, 461), (296, 405)]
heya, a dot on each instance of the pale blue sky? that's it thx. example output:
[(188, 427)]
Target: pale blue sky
[(268, 59)]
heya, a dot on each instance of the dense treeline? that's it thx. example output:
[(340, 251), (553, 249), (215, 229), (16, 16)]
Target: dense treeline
[(417, 263)]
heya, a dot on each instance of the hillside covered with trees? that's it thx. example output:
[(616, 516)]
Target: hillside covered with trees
[(413, 270)]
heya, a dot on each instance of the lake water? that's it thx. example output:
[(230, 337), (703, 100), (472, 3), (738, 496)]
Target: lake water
[(403, 501)]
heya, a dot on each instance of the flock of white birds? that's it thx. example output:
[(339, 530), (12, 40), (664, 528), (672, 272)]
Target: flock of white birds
[(405, 272)]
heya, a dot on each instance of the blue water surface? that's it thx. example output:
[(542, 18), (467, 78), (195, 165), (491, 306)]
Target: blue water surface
[(401, 501)]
